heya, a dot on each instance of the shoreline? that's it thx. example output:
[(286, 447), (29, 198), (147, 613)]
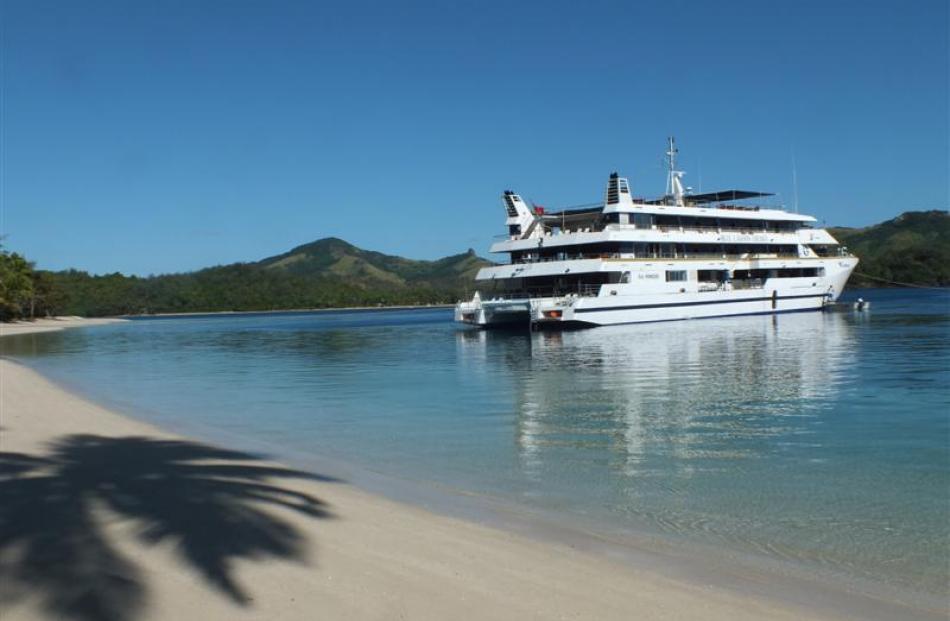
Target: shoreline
[(501, 574), (289, 311), (53, 324)]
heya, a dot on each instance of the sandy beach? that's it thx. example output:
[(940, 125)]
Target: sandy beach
[(106, 517), (52, 324)]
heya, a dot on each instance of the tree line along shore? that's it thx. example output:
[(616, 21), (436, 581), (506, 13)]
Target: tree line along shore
[(911, 249)]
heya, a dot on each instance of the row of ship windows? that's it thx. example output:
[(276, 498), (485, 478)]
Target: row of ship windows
[(723, 275), (589, 283), (646, 221), (650, 251)]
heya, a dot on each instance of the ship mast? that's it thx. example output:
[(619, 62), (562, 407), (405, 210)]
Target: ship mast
[(671, 161), (674, 183)]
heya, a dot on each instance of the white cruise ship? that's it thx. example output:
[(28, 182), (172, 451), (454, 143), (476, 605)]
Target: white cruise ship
[(631, 260)]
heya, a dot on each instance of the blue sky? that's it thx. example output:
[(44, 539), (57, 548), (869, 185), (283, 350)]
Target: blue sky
[(150, 137)]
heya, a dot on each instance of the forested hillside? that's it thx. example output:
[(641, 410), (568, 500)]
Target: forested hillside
[(326, 273), (913, 248)]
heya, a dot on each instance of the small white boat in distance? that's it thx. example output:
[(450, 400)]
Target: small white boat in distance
[(632, 260)]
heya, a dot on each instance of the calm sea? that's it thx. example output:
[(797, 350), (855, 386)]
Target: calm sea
[(819, 440)]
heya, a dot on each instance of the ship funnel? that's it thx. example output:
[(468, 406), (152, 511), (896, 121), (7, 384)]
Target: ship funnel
[(520, 217), (618, 192)]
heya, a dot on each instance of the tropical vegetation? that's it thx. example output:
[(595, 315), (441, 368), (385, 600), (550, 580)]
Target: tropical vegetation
[(25, 291), (913, 248), (327, 273)]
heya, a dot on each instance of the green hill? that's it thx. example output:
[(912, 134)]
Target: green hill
[(325, 273), (332, 257), (913, 248)]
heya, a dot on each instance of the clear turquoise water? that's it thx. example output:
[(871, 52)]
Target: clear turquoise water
[(819, 440)]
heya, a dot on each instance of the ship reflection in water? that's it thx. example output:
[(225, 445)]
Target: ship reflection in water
[(730, 430), (671, 396)]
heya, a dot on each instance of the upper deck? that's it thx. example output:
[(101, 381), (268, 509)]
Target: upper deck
[(665, 234), (676, 217), (639, 221)]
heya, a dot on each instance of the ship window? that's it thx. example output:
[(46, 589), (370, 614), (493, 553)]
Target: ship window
[(788, 272), (711, 275), (675, 275), (643, 221)]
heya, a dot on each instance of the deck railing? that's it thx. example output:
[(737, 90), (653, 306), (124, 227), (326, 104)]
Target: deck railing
[(660, 256), (666, 228), (837, 251), (697, 228)]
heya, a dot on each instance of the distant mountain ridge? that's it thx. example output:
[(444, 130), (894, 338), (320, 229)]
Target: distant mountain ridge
[(913, 248), (325, 273), (334, 257)]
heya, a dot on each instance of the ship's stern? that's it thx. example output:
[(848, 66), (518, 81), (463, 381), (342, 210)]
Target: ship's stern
[(495, 312), (470, 312)]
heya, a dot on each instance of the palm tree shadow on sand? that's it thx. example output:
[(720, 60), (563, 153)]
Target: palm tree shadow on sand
[(211, 503)]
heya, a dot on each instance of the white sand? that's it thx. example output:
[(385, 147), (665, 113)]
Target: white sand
[(52, 324), (373, 559)]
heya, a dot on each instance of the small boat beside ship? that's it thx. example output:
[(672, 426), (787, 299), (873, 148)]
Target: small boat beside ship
[(634, 260)]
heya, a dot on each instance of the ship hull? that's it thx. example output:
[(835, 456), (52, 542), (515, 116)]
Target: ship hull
[(612, 307)]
